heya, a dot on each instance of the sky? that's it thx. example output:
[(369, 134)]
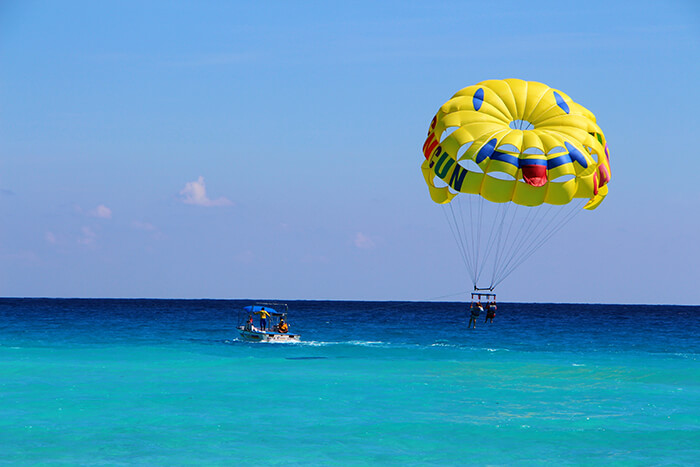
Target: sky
[(272, 150)]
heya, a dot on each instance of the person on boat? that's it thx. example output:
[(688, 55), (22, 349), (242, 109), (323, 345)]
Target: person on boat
[(490, 312), (475, 311), (263, 318), (283, 327), (249, 323)]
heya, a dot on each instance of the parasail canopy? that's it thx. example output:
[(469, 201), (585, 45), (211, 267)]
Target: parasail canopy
[(513, 142), (544, 147)]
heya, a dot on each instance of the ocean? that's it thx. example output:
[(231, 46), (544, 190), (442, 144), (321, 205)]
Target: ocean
[(167, 382)]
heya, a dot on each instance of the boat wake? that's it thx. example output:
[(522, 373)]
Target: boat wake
[(354, 343)]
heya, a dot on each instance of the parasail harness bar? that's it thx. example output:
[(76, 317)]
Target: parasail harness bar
[(488, 296)]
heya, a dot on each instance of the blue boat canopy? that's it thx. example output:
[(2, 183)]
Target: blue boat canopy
[(256, 308)]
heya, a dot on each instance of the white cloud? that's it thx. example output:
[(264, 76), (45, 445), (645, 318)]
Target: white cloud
[(363, 242), (196, 193), (89, 236), (102, 212)]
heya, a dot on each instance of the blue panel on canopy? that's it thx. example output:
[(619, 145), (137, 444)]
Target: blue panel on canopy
[(255, 308)]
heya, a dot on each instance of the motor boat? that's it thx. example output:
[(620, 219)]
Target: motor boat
[(276, 326)]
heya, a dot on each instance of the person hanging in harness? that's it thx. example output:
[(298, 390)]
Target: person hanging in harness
[(490, 311), (475, 310)]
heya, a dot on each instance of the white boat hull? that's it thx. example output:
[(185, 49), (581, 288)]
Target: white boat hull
[(256, 335)]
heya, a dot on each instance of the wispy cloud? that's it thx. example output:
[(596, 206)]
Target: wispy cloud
[(363, 242), (88, 237), (102, 212), (51, 238), (196, 193), (147, 227)]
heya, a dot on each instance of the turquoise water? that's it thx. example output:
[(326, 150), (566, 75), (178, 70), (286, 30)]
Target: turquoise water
[(166, 382)]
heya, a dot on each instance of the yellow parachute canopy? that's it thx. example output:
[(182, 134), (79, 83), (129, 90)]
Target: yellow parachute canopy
[(528, 143), (526, 157)]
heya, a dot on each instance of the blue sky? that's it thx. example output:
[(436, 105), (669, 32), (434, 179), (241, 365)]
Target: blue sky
[(273, 149)]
